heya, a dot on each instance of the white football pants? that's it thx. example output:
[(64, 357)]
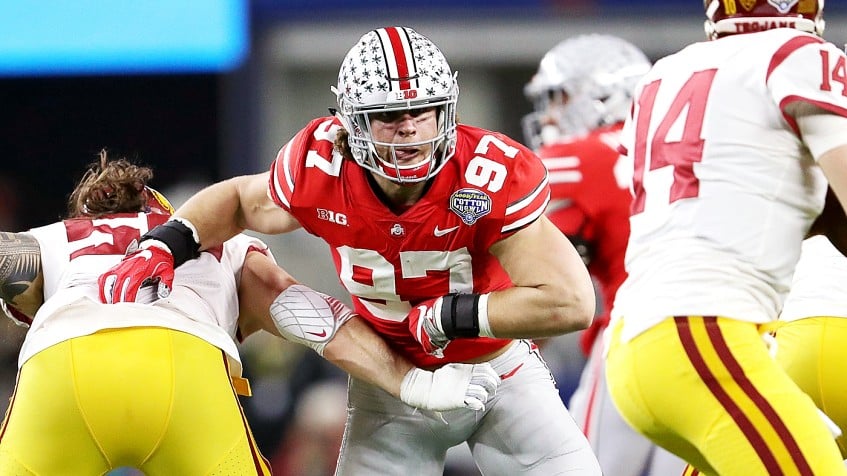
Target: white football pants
[(525, 428), (620, 449)]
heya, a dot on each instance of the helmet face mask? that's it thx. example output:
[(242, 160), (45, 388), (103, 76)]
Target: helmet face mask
[(728, 17), (582, 83), (546, 123), (390, 70)]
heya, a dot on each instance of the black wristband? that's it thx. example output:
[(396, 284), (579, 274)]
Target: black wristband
[(460, 315), (178, 237)]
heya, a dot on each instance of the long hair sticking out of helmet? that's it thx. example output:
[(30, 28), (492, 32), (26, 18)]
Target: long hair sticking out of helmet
[(392, 69), (730, 17), (115, 186), (582, 83)]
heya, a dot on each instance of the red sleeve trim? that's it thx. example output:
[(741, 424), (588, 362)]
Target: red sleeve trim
[(527, 209), (823, 105), (785, 50), (281, 182)]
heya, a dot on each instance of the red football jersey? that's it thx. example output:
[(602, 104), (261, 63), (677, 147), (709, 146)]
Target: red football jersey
[(590, 200), (492, 187)]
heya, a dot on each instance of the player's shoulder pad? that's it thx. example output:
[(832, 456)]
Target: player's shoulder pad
[(311, 148), (495, 160), (478, 142)]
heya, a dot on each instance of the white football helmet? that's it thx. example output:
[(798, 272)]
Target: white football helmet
[(582, 83), (392, 69)]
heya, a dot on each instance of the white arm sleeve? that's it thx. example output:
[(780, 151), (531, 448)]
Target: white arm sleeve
[(821, 131), (308, 317)]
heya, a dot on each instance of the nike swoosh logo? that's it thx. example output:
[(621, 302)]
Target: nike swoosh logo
[(443, 232), (318, 334), (511, 373)]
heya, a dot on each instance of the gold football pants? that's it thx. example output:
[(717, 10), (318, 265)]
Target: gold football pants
[(151, 398), (706, 389), (813, 352)]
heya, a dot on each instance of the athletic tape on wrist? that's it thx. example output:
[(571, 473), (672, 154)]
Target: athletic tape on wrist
[(484, 325), (415, 387), (188, 225), (178, 237), (460, 315)]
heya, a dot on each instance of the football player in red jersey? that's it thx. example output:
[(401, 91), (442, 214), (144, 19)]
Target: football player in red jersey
[(733, 141), (102, 386), (581, 95), (437, 231)]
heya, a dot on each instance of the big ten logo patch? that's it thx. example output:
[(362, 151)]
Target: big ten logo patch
[(332, 217), (406, 94)]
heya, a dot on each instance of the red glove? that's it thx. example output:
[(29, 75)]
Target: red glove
[(425, 325), (150, 264)]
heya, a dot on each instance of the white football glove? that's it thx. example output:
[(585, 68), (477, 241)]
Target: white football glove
[(450, 387)]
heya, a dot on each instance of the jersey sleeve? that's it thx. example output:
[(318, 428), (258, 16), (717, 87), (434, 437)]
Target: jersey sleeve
[(290, 160), (529, 192), (808, 69), (238, 247)]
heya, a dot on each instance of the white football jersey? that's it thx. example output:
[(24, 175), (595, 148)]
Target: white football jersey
[(818, 288), (724, 190), (203, 301)]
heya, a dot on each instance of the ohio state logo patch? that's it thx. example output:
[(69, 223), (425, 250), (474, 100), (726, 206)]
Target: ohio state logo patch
[(470, 204)]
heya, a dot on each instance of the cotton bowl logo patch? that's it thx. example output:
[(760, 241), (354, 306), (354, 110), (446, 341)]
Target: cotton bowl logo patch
[(470, 204)]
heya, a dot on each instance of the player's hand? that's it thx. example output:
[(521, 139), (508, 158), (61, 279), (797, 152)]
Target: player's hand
[(450, 387), (425, 325), (308, 317), (148, 264)]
